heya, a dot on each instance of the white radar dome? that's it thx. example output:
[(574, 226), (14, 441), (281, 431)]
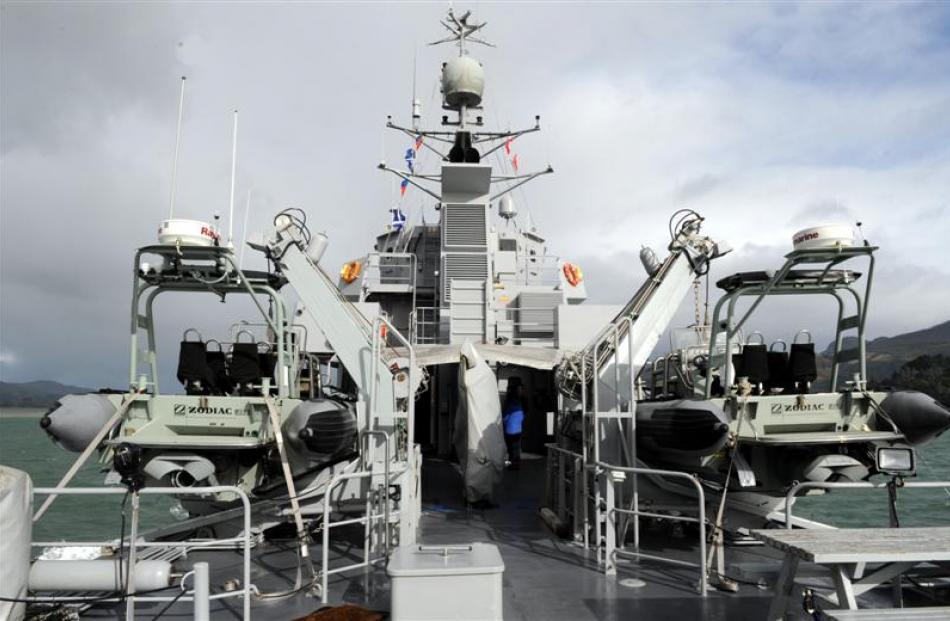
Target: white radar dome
[(506, 208), (187, 233), (463, 82), (824, 236)]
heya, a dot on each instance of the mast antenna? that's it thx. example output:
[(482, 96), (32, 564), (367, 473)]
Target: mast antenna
[(247, 211), (181, 107), (461, 31), (416, 104), (233, 173)]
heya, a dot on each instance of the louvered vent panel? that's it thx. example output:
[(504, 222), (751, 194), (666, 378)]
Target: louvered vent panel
[(462, 266), (536, 312), (464, 226)]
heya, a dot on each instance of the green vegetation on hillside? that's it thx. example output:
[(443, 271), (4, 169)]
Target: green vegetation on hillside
[(928, 373)]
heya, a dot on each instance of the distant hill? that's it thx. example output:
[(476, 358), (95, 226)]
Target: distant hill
[(927, 373), (39, 394), (887, 354)]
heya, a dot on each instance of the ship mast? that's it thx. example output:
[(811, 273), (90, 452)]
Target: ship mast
[(462, 87)]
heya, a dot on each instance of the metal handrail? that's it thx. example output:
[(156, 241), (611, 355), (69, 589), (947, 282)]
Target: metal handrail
[(797, 487), (327, 525), (386, 452), (613, 550), (377, 347), (701, 520), (543, 269), (397, 262), (246, 586)]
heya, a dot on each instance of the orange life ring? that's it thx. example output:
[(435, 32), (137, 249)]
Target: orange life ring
[(351, 271), (573, 274)]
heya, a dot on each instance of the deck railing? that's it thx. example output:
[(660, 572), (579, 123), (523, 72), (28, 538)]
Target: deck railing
[(389, 268), (200, 596), (805, 485), (602, 501), (614, 544)]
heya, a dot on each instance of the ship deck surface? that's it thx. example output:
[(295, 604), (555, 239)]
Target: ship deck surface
[(545, 578)]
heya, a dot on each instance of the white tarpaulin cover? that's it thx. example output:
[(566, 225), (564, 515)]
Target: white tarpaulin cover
[(479, 439), (16, 524)]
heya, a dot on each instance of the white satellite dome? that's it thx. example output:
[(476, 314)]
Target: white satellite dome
[(506, 208)]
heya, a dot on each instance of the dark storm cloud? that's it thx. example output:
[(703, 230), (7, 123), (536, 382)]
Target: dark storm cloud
[(67, 67), (752, 115)]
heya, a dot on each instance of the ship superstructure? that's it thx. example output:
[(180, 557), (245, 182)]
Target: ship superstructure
[(480, 273)]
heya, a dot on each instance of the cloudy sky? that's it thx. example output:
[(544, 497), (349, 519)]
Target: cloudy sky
[(764, 117)]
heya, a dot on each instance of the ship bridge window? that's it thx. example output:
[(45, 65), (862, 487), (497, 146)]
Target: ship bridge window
[(508, 245)]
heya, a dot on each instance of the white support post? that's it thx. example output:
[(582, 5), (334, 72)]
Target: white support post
[(202, 610), (130, 567)]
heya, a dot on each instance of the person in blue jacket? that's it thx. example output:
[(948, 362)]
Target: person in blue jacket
[(512, 417)]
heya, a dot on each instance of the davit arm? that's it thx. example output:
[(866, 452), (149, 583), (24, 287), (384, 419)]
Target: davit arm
[(648, 313)]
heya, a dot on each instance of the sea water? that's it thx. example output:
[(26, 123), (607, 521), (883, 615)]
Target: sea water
[(25, 446)]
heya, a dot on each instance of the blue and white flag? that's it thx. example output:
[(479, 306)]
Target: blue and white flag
[(410, 159), (398, 220)]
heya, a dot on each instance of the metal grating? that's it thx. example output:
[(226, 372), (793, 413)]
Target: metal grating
[(462, 266), (464, 226)]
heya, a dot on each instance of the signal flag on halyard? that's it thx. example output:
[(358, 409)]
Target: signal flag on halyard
[(398, 220), (513, 158), (410, 158), (418, 142), (403, 186)]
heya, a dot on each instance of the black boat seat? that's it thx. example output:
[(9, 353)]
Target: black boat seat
[(779, 376), (795, 277), (245, 367), (752, 361), (218, 363), (193, 370), (267, 362), (802, 364), (737, 367), (755, 362)]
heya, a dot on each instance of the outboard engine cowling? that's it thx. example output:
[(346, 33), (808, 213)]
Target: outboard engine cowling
[(321, 428)]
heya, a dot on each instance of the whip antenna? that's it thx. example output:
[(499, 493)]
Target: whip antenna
[(416, 107), (233, 171), (181, 107), (247, 210)]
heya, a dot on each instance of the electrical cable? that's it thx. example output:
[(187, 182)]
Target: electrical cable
[(89, 600), (169, 604)]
